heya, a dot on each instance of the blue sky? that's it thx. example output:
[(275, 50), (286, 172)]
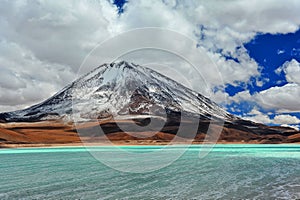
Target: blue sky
[(255, 45), (270, 51)]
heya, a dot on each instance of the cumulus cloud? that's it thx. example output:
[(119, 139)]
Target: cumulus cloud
[(291, 70), (241, 96), (282, 99), (258, 117), (246, 16), (286, 119), (155, 14), (281, 119), (25, 80), (279, 98), (57, 31)]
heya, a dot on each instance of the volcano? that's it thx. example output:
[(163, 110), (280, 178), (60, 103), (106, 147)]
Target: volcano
[(125, 93)]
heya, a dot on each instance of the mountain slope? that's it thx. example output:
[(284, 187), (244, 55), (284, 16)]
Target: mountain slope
[(131, 96), (120, 89)]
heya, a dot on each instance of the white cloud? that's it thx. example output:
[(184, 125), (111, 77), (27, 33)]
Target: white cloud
[(57, 31), (220, 97), (155, 14), (241, 96), (25, 80), (286, 119), (282, 119), (246, 16), (281, 99), (234, 72), (280, 51), (44, 42), (292, 71), (284, 98), (258, 117)]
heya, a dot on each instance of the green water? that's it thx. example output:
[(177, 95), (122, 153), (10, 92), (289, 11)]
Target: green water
[(227, 172)]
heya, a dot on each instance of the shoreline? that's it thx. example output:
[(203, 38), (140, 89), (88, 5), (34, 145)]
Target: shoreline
[(16, 146)]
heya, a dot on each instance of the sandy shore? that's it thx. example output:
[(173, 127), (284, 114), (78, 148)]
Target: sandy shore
[(122, 143)]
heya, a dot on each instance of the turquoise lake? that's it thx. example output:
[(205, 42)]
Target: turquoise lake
[(227, 172)]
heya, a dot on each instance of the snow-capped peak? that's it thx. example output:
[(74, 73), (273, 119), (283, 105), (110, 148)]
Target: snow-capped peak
[(120, 89)]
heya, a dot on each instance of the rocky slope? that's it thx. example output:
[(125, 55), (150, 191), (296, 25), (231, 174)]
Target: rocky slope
[(127, 93)]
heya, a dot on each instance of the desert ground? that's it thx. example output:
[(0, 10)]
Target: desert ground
[(57, 133)]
